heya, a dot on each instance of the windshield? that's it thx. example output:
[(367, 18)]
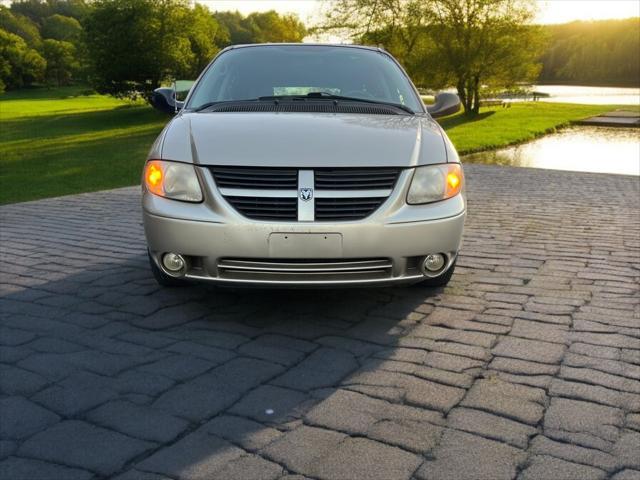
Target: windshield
[(279, 70)]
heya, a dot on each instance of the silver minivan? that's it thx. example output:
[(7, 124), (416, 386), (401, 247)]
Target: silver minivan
[(303, 165)]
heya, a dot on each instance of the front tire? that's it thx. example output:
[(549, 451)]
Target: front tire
[(441, 280), (162, 278)]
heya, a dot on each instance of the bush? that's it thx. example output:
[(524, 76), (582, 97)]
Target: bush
[(20, 65)]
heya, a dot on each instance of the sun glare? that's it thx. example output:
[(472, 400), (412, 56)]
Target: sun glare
[(562, 11), (549, 11)]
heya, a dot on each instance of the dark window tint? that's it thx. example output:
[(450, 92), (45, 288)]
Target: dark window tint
[(252, 72)]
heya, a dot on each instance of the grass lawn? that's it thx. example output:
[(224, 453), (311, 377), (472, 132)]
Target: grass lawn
[(497, 126), (61, 141)]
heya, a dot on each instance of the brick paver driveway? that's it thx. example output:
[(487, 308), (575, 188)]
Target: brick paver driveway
[(527, 365)]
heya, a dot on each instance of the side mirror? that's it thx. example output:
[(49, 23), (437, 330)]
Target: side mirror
[(446, 104), (164, 99)]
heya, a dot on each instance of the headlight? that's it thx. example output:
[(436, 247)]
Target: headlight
[(174, 180), (435, 182)]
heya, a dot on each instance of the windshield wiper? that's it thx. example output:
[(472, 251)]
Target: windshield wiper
[(204, 106), (330, 96), (207, 105)]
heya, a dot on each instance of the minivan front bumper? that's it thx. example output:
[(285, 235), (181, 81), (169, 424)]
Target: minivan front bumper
[(222, 246)]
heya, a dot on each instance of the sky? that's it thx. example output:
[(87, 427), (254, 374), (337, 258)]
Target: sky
[(549, 11)]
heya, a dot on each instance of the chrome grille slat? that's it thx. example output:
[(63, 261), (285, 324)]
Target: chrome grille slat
[(352, 208), (265, 208), (255, 178), (353, 186), (287, 269), (346, 178), (315, 267), (307, 263), (352, 193), (258, 193), (243, 184), (339, 194), (347, 202)]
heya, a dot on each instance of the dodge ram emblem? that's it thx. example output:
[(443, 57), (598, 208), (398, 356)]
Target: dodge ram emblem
[(306, 194)]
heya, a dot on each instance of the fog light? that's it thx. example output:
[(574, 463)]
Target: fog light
[(173, 262), (434, 262)]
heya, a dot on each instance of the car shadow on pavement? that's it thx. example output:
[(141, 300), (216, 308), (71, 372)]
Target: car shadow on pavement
[(117, 376)]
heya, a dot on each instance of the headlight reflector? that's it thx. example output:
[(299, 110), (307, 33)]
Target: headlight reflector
[(435, 182), (174, 180)]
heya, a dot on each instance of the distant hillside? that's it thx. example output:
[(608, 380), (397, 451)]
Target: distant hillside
[(605, 52)]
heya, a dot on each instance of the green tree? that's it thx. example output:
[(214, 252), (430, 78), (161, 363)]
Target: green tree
[(69, 31), (233, 24), (400, 26), (260, 27), (269, 27), (136, 44), (38, 10), (465, 43), (21, 26), (395, 23), (204, 34), (594, 53), (35, 10), (485, 42), (77, 9), (61, 61), (20, 65), (59, 27)]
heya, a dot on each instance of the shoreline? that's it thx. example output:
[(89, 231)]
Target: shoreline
[(551, 131), (581, 84), (498, 127), (536, 136)]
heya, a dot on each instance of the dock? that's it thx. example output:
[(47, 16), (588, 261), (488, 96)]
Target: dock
[(617, 118)]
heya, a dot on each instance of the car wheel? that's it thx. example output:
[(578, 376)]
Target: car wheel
[(441, 280), (162, 278)]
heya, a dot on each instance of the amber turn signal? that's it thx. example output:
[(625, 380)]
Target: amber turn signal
[(153, 176), (454, 180), (173, 180), (432, 183)]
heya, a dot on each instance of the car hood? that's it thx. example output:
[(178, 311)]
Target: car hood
[(304, 140)]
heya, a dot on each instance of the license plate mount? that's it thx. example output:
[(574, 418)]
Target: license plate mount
[(305, 245)]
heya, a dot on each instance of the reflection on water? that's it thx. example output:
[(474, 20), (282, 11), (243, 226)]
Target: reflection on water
[(582, 95), (589, 95), (584, 149)]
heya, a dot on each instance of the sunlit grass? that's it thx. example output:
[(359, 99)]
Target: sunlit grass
[(62, 141), (44, 101)]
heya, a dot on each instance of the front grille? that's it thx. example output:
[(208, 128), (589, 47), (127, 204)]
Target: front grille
[(346, 208), (354, 179), (298, 270), (236, 177), (266, 208), (339, 194)]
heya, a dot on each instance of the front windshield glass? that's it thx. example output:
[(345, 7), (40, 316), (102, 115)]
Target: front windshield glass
[(279, 70)]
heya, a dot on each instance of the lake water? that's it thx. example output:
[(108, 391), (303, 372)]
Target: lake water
[(579, 94), (589, 95), (584, 149)]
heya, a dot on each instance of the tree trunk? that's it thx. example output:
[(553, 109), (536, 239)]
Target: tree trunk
[(465, 92), (469, 98), (461, 92), (476, 94)]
